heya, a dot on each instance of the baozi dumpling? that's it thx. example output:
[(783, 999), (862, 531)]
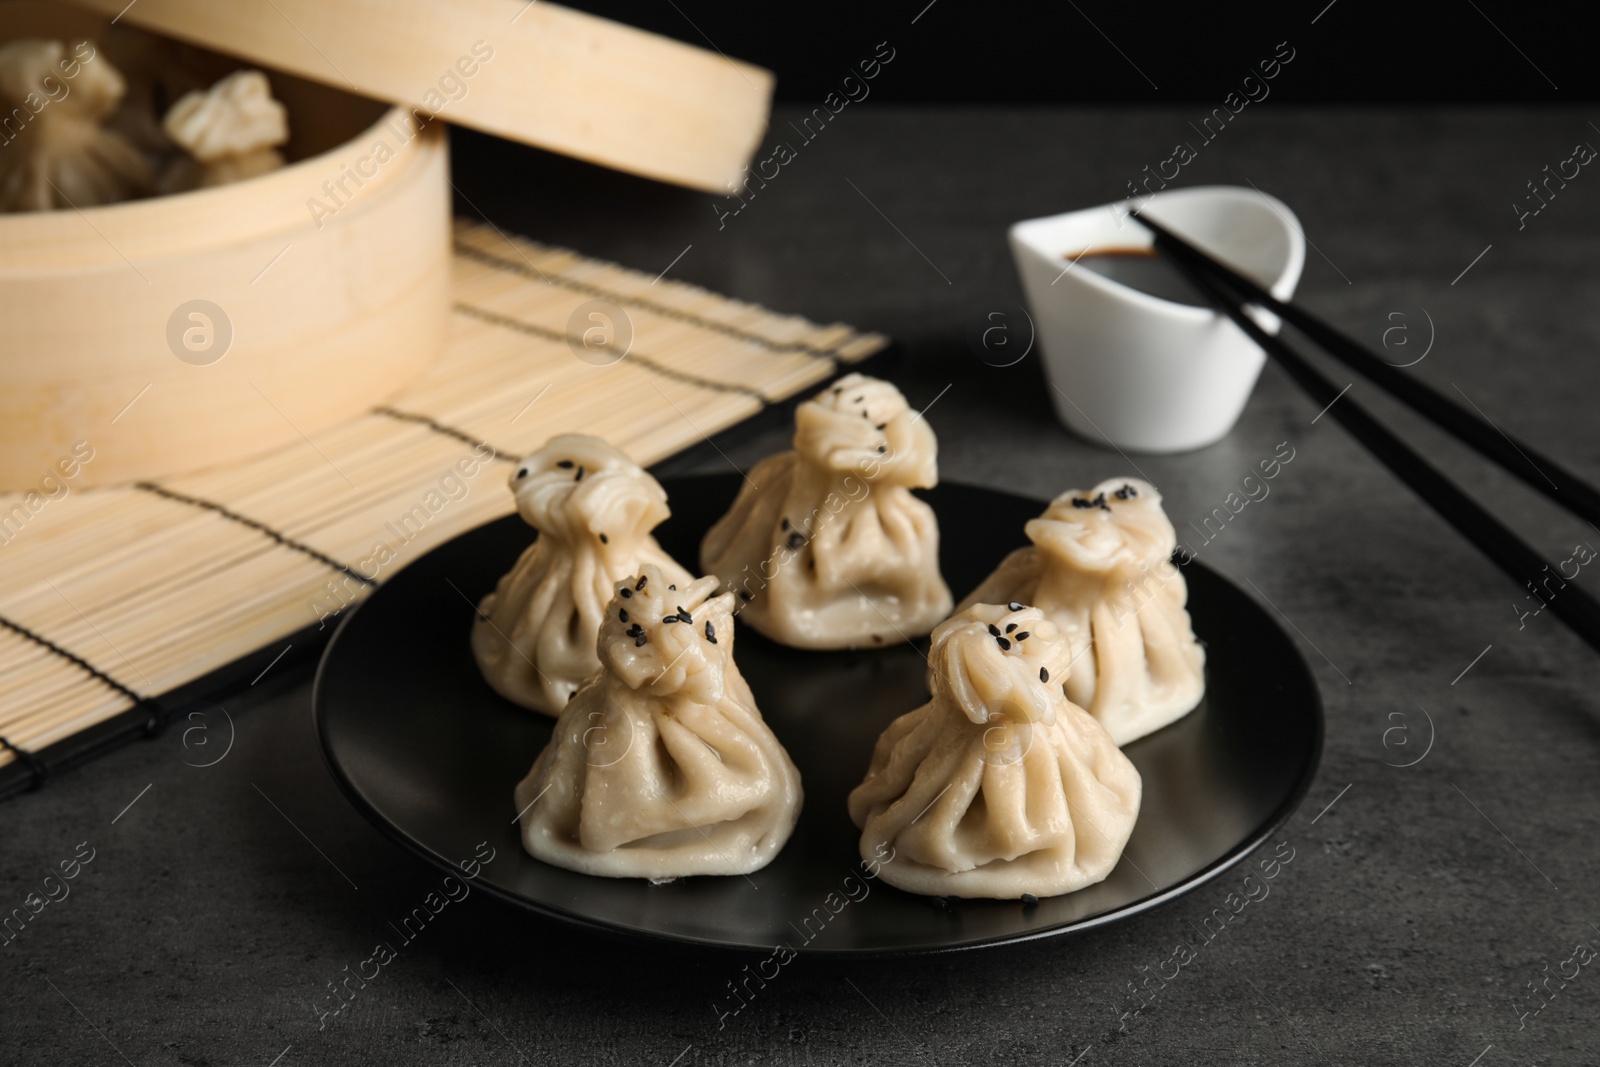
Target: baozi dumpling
[(1100, 568), (594, 508), (231, 132), (661, 766), (999, 785), (826, 544), (62, 156)]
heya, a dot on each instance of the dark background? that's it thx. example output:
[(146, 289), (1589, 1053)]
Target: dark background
[(1063, 51)]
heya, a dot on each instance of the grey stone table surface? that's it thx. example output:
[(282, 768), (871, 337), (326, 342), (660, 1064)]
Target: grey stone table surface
[(1434, 913)]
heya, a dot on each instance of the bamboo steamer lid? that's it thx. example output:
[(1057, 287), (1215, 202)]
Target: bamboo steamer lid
[(541, 74)]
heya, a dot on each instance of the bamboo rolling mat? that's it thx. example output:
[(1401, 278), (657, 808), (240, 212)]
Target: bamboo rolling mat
[(116, 603)]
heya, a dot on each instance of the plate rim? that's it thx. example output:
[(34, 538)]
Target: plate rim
[(1235, 855)]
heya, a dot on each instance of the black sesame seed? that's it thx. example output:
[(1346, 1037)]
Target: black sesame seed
[(623, 614), (877, 639), (565, 464), (1125, 492), (625, 591), (642, 579), (1010, 626), (880, 425), (1005, 646), (1080, 502), (796, 539), (864, 415), (572, 694), (604, 540), (711, 632), (1014, 606), (1044, 675), (746, 595), (785, 524), (1029, 900), (883, 448), (672, 587), (522, 472), (859, 399), (993, 629), (1023, 636), (669, 618), (641, 641), (579, 477), (684, 615)]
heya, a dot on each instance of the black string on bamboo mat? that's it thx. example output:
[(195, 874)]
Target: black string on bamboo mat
[(38, 771), (256, 525), (439, 427), (158, 719), (495, 262), (509, 323)]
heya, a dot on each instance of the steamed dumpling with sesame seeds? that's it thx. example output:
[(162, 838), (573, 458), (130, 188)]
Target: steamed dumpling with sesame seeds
[(661, 767), (825, 544), (1100, 568), (594, 508), (999, 786)]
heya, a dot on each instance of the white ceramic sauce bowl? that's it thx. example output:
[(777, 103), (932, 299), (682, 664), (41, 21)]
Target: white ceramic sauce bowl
[(1133, 370)]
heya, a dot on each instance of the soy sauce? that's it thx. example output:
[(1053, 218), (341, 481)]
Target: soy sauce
[(1143, 269)]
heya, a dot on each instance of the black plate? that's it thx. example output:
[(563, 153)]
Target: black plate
[(431, 754)]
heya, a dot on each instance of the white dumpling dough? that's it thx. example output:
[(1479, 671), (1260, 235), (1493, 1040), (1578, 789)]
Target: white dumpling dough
[(999, 785), (661, 766), (825, 544), (63, 157), (230, 131), (1100, 568), (594, 508)]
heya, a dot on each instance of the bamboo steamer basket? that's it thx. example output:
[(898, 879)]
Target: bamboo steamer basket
[(181, 332), (327, 315)]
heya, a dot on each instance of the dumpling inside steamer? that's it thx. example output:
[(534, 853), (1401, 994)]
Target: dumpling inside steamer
[(594, 508), (999, 786), (1100, 568), (230, 132), (63, 156), (825, 544), (661, 766)]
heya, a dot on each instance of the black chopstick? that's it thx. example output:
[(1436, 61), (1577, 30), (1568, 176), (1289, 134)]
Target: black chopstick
[(1518, 458), (1510, 553)]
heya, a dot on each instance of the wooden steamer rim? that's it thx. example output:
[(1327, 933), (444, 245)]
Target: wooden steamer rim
[(149, 230), (357, 308)]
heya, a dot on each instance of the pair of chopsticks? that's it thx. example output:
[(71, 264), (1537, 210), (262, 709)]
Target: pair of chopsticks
[(1230, 292)]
